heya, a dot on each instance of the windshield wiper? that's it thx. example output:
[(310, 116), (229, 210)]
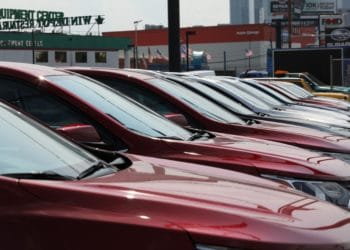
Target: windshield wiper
[(171, 138), (251, 122), (94, 168), (199, 134), (262, 114), (47, 175)]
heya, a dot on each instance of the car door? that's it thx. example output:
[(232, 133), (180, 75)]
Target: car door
[(14, 228)]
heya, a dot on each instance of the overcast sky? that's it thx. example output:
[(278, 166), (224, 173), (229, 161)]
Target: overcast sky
[(121, 14)]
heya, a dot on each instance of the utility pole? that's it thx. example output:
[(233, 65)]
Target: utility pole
[(33, 46), (174, 35), (289, 23), (188, 33), (135, 43)]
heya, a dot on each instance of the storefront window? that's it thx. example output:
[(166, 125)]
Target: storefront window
[(100, 57), (60, 56), (81, 57), (42, 56)]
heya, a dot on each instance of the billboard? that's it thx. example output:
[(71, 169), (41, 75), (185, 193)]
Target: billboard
[(20, 19), (338, 37), (318, 6), (331, 21), (279, 8)]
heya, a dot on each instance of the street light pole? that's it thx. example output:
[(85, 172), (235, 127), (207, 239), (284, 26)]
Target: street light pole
[(174, 35), (289, 23), (135, 43), (188, 33), (33, 47)]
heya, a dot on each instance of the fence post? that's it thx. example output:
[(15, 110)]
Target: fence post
[(331, 70)]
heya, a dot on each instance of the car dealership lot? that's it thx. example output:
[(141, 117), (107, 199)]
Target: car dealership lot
[(145, 195)]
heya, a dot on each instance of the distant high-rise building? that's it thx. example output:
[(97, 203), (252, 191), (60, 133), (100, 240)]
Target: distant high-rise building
[(344, 5), (258, 11), (249, 11)]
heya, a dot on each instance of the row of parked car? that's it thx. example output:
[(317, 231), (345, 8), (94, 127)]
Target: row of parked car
[(95, 158)]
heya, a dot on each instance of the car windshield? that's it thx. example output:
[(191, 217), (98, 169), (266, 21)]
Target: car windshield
[(285, 91), (272, 92), (130, 114), (24, 143), (196, 101), (295, 90), (258, 93), (242, 94), (314, 80), (227, 101)]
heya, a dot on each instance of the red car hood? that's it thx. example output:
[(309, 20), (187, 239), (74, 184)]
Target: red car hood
[(249, 154), (300, 130), (342, 104), (210, 206)]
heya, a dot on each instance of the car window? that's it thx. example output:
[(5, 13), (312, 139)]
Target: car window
[(288, 91), (295, 90), (298, 84), (247, 97), (300, 90), (24, 143), (316, 82), (219, 97), (40, 105), (312, 84), (273, 93), (195, 100), (128, 113), (257, 93), (49, 109), (146, 97)]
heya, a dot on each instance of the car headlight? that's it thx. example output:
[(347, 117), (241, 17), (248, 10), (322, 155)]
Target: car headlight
[(207, 247), (328, 191)]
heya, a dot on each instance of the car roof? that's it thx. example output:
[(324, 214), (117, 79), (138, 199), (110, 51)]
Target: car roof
[(128, 73), (31, 69)]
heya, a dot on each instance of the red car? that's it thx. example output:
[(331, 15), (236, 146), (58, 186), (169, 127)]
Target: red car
[(173, 100), (98, 116), (56, 196), (298, 94)]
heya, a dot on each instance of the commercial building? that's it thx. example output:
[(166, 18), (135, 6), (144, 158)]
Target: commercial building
[(259, 11), (32, 43), (225, 47), (62, 50)]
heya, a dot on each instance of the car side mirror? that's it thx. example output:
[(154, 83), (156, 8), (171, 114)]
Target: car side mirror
[(177, 118), (81, 133)]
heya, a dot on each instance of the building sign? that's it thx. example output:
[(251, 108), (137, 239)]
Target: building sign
[(248, 32), (16, 19), (338, 36), (331, 21), (319, 6), (297, 23), (279, 7), (21, 44)]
